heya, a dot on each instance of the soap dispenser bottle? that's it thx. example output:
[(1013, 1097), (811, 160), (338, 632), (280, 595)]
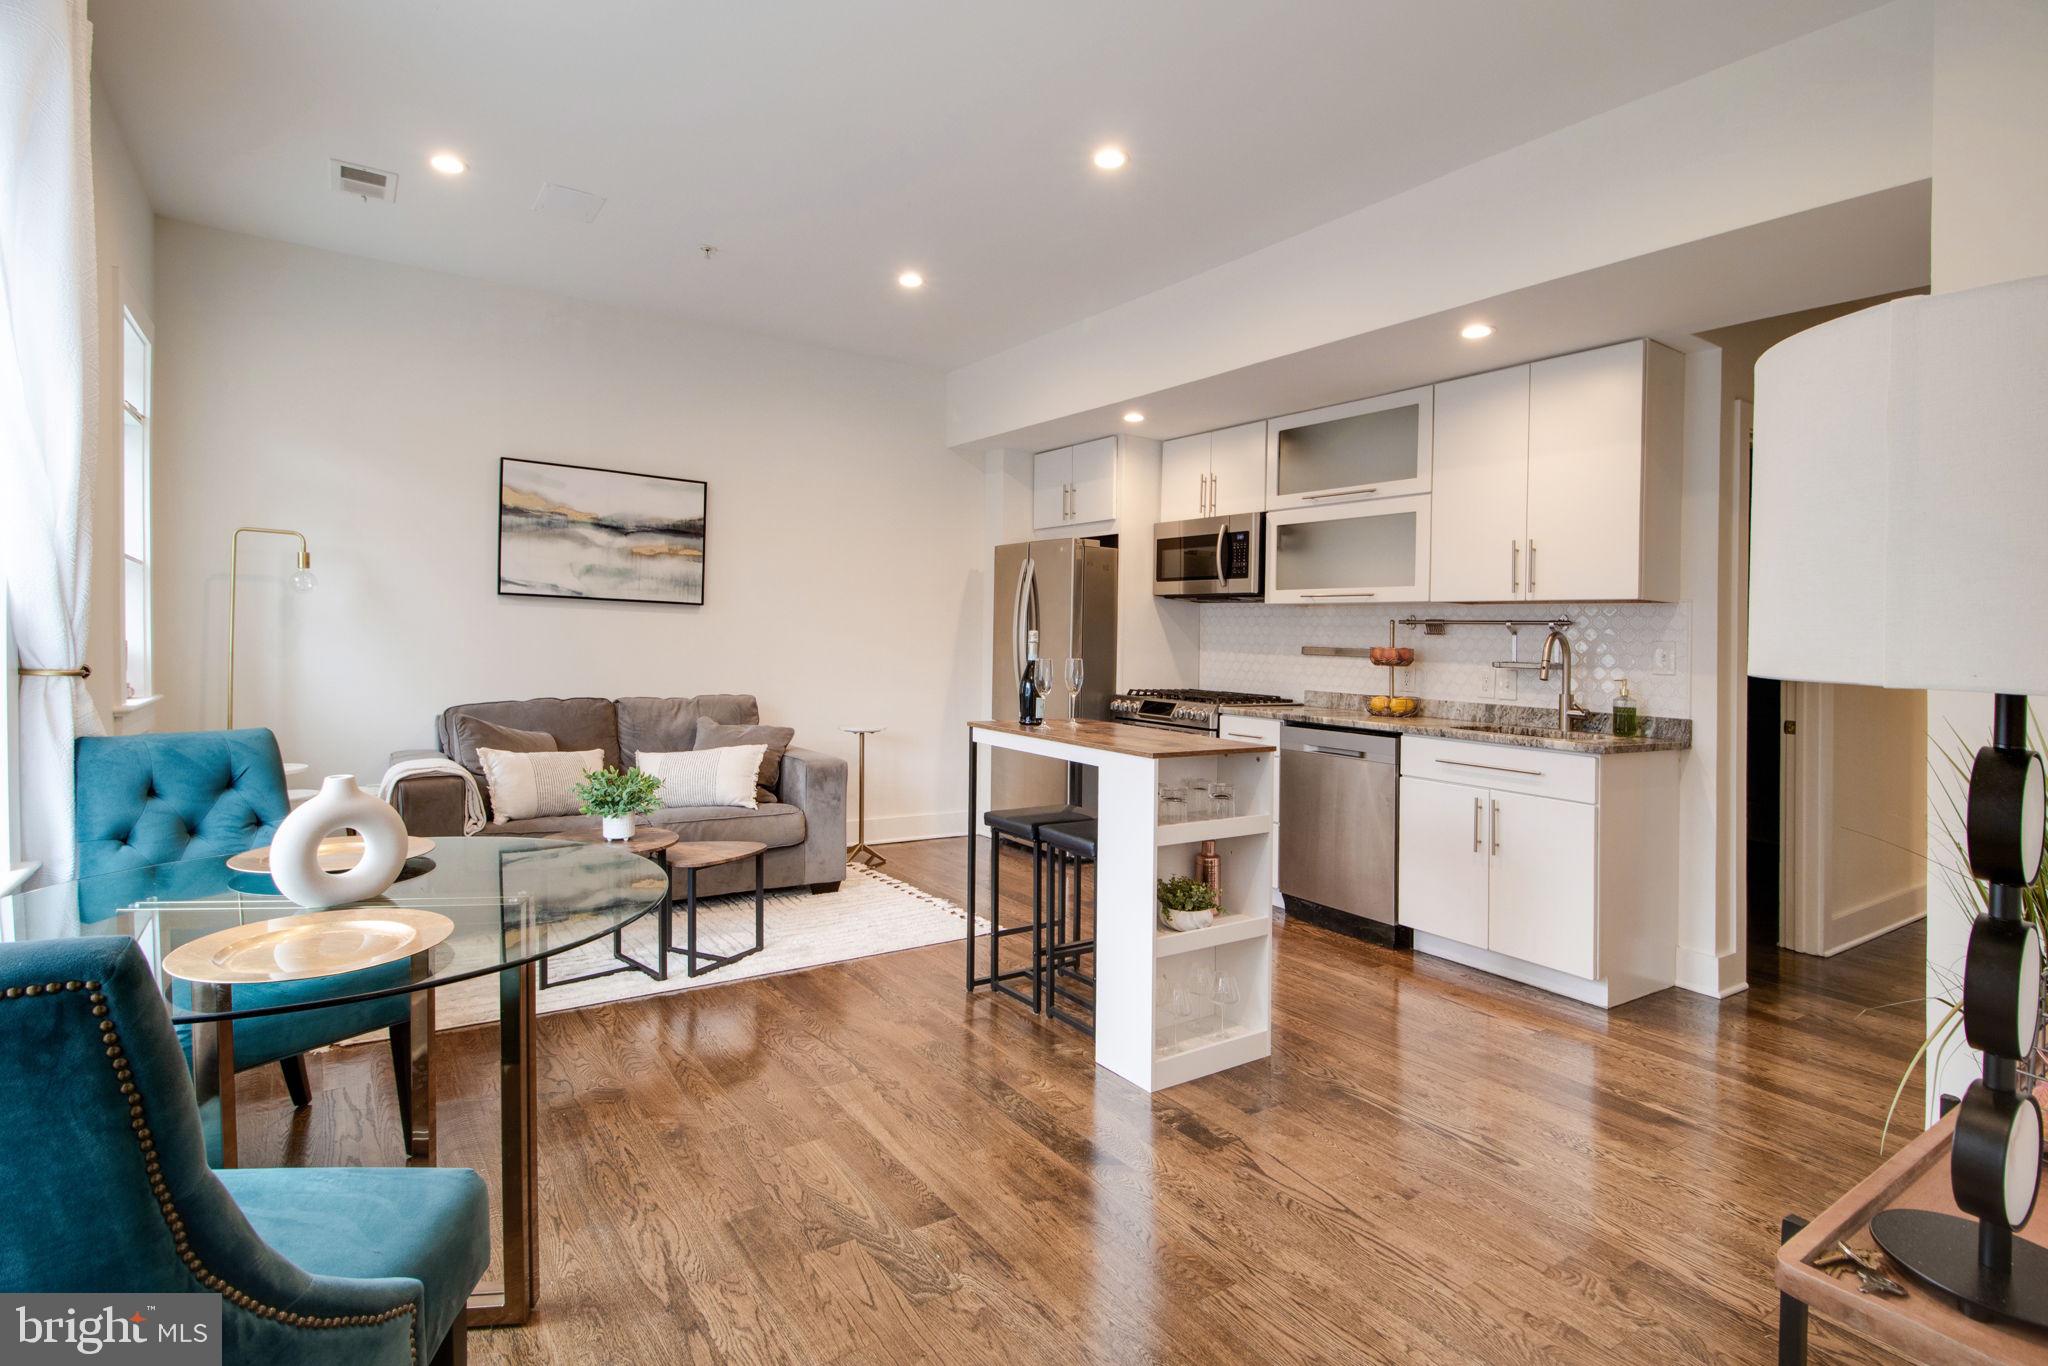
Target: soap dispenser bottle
[(1626, 722)]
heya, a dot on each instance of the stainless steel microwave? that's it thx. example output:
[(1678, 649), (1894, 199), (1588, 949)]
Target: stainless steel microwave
[(1217, 558)]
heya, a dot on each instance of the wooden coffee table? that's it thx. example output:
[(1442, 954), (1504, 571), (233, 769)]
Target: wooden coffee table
[(652, 843), (712, 854)]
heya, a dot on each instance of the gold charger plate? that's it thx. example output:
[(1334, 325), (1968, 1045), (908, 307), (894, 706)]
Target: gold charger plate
[(338, 854), (292, 948)]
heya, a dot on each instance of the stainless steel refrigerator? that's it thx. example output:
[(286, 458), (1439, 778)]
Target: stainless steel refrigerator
[(1066, 591)]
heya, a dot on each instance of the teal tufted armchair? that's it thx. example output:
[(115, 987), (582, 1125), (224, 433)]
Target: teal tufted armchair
[(327, 1267), (147, 802)]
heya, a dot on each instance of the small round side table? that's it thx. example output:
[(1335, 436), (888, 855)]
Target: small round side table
[(860, 852)]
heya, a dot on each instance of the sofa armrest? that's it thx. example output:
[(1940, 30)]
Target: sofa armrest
[(815, 783), (429, 803)]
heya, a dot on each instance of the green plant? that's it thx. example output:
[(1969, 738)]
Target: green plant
[(1959, 756), (618, 792), (1184, 894)]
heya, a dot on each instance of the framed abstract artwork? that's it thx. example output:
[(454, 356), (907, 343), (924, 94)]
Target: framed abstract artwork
[(571, 531)]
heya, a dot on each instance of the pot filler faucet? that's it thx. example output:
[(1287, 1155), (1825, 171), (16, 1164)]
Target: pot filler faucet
[(1567, 706), (1557, 654)]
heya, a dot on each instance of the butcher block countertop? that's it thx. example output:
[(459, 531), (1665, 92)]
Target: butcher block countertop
[(1115, 737)]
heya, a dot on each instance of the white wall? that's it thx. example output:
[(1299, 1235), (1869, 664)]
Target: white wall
[(1837, 114), (124, 230), (1990, 124), (367, 405)]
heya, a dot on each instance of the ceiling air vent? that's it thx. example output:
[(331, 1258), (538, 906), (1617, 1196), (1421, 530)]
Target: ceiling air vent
[(364, 182)]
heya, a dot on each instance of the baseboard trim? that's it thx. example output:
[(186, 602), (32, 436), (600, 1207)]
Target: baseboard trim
[(928, 825), (1708, 974), (1886, 912)]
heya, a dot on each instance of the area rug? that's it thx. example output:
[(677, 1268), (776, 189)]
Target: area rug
[(871, 913)]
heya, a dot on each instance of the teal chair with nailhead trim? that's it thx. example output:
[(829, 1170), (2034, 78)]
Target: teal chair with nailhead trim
[(104, 1179), (146, 803)]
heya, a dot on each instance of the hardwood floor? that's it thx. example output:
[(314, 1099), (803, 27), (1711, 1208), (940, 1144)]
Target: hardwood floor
[(860, 1163)]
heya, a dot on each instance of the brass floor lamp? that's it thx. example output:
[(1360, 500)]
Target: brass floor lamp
[(302, 581)]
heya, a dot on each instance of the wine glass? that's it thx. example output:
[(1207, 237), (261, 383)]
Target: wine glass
[(1226, 995), (1074, 675), (1041, 675)]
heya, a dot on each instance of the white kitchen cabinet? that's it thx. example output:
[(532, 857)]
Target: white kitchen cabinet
[(1604, 454), (1373, 448), (1094, 478), (1443, 860), (1237, 470), (1541, 904), (1376, 551), (1074, 484), (1552, 868), (1558, 481), (1480, 487), (1213, 474), (1184, 478)]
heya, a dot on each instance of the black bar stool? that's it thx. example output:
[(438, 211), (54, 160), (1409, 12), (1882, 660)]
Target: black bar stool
[(1019, 826), (1070, 848)]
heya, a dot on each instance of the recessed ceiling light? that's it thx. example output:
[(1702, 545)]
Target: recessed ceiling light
[(1476, 331), (447, 163), (1110, 158), (1134, 416), (910, 279)]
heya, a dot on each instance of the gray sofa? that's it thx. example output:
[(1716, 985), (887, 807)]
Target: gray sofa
[(804, 829)]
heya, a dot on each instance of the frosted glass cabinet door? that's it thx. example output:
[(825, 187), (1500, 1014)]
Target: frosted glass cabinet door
[(1374, 448), (1363, 552)]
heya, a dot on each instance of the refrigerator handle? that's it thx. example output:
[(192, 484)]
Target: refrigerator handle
[(1020, 611)]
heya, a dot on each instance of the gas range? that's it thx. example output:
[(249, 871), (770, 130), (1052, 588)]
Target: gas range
[(1185, 708)]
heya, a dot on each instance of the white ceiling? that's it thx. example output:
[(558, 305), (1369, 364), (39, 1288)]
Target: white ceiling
[(825, 145)]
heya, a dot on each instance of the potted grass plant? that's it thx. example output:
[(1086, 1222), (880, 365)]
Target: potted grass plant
[(618, 795)]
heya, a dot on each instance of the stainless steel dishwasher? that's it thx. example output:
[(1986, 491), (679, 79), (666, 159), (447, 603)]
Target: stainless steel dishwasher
[(1339, 792)]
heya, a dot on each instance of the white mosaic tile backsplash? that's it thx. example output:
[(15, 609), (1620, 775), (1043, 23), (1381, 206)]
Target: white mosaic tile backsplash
[(1256, 647)]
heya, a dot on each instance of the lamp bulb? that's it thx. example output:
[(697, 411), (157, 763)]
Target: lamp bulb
[(303, 581)]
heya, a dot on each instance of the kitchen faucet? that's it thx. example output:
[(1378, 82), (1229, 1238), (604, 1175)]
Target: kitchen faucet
[(1567, 708)]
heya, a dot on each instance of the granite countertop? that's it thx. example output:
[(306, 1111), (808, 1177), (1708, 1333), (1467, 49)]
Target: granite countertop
[(1525, 727)]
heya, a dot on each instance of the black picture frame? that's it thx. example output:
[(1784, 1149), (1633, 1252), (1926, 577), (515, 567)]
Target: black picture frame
[(564, 592)]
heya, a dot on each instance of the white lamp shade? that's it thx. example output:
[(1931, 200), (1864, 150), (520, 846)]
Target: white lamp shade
[(1899, 513)]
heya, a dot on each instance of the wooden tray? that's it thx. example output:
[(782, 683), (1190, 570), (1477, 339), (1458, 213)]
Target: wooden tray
[(1926, 1325)]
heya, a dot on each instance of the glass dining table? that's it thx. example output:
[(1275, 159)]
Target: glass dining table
[(513, 903)]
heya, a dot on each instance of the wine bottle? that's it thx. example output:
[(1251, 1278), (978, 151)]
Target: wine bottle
[(1029, 704)]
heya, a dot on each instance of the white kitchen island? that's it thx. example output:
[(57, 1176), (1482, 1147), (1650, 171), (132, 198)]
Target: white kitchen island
[(1158, 1019)]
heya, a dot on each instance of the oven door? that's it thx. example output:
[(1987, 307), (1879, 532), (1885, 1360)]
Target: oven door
[(1208, 557)]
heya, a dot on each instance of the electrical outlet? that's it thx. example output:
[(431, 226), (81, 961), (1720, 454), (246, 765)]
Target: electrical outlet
[(1504, 685), (1664, 658), (1486, 682)]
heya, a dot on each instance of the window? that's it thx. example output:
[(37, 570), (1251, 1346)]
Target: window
[(136, 660)]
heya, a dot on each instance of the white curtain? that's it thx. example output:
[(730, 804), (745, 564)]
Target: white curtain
[(49, 397)]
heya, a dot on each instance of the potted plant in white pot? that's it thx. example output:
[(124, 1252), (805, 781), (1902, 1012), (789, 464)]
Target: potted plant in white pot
[(1186, 904), (618, 795)]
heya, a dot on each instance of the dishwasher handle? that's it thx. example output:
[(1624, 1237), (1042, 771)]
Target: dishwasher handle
[(1339, 744)]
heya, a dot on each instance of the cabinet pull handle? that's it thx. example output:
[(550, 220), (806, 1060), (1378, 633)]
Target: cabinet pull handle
[(1340, 593), (1496, 827), (1532, 564), (1341, 493), (1493, 768), (1475, 825), (1515, 567)]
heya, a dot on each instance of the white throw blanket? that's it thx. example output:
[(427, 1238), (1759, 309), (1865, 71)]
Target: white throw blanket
[(472, 795)]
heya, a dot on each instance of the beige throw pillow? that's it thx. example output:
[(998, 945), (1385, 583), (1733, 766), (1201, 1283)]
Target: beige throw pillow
[(524, 786), (706, 777)]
